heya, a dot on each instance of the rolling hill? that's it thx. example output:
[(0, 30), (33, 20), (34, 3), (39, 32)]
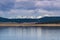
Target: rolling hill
[(41, 20)]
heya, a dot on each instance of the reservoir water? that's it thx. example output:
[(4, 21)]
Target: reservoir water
[(29, 33)]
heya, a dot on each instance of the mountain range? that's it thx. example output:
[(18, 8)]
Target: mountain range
[(40, 20)]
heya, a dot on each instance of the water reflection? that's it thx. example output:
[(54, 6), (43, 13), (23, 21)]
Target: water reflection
[(29, 33), (19, 33), (51, 33)]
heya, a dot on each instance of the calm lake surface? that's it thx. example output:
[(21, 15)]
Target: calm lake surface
[(29, 33)]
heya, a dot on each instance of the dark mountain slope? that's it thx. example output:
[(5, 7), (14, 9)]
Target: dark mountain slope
[(41, 20), (3, 19), (50, 20)]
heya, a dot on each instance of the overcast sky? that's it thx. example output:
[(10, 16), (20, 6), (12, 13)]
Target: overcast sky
[(18, 8)]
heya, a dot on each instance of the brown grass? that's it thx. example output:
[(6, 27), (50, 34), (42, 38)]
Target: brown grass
[(27, 24)]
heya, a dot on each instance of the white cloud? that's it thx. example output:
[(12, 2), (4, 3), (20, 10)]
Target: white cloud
[(30, 8), (42, 3), (43, 12), (30, 13), (21, 17), (49, 4), (38, 13), (56, 4), (47, 15), (20, 0), (34, 4), (19, 13), (1, 13), (39, 16)]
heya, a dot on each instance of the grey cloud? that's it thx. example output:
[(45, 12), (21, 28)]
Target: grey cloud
[(25, 5), (6, 5), (50, 5)]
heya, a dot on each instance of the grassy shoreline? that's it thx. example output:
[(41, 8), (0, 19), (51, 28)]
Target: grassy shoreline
[(27, 24)]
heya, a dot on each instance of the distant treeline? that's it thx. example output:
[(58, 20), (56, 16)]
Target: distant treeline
[(41, 20)]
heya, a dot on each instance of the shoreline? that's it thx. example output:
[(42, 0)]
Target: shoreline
[(28, 24)]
